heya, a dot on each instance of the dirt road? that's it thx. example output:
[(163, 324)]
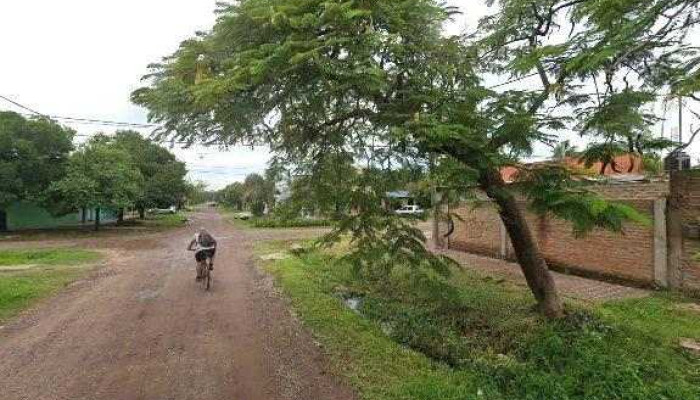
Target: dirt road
[(141, 328)]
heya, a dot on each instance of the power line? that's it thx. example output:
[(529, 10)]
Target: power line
[(80, 120), (22, 106), (103, 122), (91, 121)]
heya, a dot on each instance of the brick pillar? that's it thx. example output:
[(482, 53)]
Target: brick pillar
[(674, 231), (503, 251), (660, 244)]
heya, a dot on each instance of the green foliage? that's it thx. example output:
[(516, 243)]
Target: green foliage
[(563, 150), (197, 193), (33, 153), (309, 77), (653, 165), (164, 175), (46, 257), (321, 186), (485, 338), (381, 241), (99, 175), (233, 196), (259, 193), (56, 268), (290, 223), (166, 220), (550, 189)]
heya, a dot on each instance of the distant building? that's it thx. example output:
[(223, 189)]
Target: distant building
[(398, 199), (26, 215), (625, 165)]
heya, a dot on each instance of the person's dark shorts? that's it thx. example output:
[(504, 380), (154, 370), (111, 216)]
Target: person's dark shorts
[(204, 254)]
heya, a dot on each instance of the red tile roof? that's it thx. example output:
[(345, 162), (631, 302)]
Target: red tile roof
[(622, 167)]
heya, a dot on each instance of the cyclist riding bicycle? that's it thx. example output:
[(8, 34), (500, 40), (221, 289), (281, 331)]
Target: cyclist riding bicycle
[(204, 246)]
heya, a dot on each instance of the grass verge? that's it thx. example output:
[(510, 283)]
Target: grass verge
[(289, 223), (165, 221), (419, 336), (274, 222), (51, 270), (131, 226)]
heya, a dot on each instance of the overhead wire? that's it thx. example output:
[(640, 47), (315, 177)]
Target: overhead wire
[(94, 121)]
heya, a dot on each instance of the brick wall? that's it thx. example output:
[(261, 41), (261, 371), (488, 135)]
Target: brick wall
[(642, 191), (629, 255), (687, 188), (477, 229)]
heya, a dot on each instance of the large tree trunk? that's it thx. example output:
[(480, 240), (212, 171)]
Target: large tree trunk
[(83, 215), (533, 265), (142, 213), (120, 216), (97, 219)]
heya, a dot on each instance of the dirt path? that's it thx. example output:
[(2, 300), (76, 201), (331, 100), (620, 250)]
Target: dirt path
[(142, 329)]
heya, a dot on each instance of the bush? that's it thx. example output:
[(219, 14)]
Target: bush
[(485, 333)]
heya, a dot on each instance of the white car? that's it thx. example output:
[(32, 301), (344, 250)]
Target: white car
[(245, 215), (410, 210), (159, 211)]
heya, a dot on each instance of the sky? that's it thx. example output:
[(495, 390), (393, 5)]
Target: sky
[(83, 58)]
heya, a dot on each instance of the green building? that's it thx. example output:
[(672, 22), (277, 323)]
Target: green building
[(26, 215)]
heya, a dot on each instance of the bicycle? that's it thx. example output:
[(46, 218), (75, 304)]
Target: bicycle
[(204, 271)]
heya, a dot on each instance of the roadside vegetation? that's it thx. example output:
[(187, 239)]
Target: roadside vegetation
[(129, 226), (175, 220), (385, 85), (290, 223), (27, 276), (426, 336), (275, 222)]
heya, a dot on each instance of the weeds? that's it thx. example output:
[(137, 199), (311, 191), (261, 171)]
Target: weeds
[(481, 337)]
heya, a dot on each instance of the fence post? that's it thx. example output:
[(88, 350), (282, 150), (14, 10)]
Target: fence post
[(660, 243), (504, 240), (674, 231)]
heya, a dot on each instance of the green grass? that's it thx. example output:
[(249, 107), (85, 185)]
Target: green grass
[(289, 223), (52, 270), (46, 257), (272, 222), (469, 336), (154, 223), (166, 220)]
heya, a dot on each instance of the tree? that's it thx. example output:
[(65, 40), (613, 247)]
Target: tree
[(322, 185), (259, 193), (33, 153), (564, 150), (233, 196), (197, 193), (99, 175), (310, 76), (164, 175)]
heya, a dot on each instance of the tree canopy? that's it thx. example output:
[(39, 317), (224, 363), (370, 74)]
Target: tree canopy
[(164, 175), (99, 176), (309, 76), (33, 153)]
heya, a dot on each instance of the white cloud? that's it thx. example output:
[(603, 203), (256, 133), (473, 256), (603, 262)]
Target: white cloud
[(83, 58)]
